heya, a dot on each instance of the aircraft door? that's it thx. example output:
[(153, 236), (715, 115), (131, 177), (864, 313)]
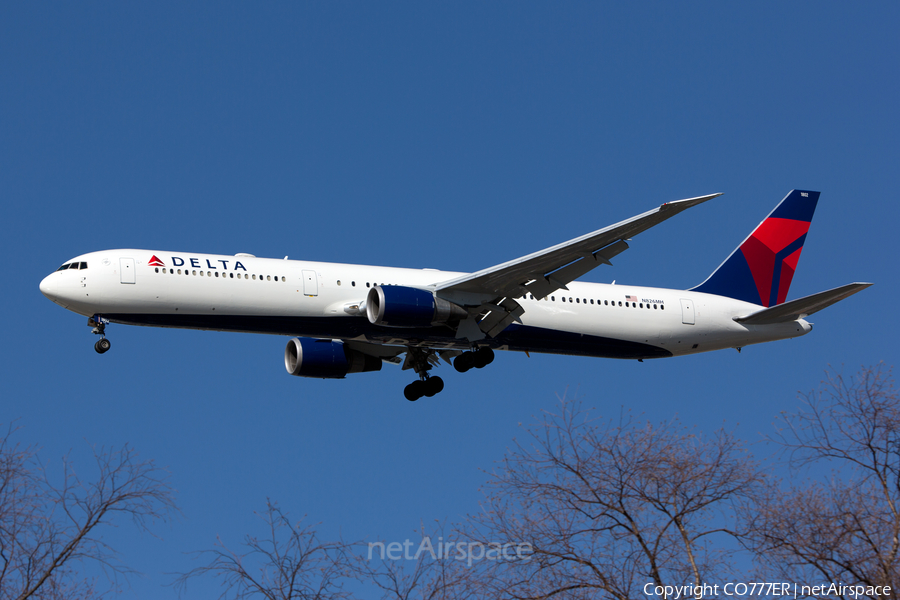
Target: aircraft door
[(687, 311), (310, 283), (126, 270)]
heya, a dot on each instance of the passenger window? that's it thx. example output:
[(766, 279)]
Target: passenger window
[(194, 273), (269, 278), (339, 282), (553, 298), (254, 277), (157, 269), (642, 305), (620, 303), (662, 307), (283, 278), (577, 300), (654, 307)]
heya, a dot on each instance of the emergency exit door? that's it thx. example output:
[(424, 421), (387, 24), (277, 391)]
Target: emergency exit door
[(310, 284), (126, 270), (687, 311)]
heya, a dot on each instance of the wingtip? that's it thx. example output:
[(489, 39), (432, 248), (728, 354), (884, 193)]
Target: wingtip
[(689, 202)]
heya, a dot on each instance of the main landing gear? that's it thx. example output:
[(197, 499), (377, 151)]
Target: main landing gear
[(427, 386), (99, 324), (476, 358), (422, 360)]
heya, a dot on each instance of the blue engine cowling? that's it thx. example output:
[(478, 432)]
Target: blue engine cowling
[(326, 359), (399, 306)]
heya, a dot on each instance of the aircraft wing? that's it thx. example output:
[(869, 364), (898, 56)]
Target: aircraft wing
[(801, 307), (496, 288), (552, 268), (389, 354)]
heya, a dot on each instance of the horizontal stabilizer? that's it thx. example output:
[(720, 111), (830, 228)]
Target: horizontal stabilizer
[(801, 307)]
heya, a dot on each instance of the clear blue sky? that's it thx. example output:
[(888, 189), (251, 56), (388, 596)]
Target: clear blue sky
[(422, 135)]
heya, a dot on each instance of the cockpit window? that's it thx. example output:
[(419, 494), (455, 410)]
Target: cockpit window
[(74, 265)]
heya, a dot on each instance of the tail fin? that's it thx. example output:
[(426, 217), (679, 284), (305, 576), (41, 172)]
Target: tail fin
[(760, 270)]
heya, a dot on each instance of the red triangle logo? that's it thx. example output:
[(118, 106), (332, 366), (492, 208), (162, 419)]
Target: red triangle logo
[(155, 262)]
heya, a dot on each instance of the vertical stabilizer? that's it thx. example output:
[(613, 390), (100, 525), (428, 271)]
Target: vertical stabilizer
[(760, 270)]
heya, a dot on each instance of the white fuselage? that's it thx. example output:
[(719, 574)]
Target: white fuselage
[(322, 300)]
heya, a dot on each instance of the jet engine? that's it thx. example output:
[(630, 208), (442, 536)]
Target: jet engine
[(399, 306), (326, 359)]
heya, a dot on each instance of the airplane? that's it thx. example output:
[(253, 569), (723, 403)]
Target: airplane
[(352, 318)]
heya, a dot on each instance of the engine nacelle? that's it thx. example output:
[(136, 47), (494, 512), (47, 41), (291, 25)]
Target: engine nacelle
[(326, 359), (399, 306)]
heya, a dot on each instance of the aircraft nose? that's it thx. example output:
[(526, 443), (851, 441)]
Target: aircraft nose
[(47, 286), (50, 287)]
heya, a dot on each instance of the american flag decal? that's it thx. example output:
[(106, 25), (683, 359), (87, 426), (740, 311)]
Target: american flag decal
[(631, 298)]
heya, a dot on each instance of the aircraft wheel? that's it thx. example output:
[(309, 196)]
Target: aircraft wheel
[(464, 362), (433, 385), (102, 345), (414, 391), (483, 357)]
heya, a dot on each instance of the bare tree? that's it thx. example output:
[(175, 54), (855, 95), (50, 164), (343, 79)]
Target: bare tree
[(430, 569), (48, 532), (288, 563), (607, 507), (839, 519)]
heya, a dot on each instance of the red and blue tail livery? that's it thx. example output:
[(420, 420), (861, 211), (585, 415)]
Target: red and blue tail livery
[(760, 270)]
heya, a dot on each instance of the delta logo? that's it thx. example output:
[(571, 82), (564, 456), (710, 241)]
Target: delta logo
[(177, 261)]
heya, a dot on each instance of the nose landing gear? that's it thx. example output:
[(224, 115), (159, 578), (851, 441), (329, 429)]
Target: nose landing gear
[(99, 324)]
